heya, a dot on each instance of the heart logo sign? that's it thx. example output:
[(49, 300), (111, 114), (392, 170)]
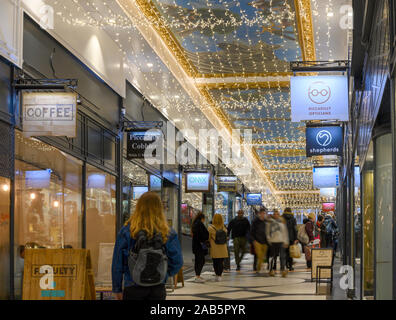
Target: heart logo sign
[(324, 138)]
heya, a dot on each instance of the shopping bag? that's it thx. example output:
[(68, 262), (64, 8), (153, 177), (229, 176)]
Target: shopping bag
[(307, 251), (294, 251)]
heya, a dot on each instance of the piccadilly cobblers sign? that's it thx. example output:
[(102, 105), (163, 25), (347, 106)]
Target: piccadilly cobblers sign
[(49, 114), (319, 98)]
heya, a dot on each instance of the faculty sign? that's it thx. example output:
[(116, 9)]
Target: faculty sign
[(319, 98), (324, 141), (49, 114)]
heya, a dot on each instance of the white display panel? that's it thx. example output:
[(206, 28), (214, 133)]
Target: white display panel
[(319, 98), (325, 177)]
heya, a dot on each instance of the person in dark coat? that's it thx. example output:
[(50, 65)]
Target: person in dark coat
[(322, 231), (309, 228), (239, 229), (259, 238), (200, 237), (291, 224)]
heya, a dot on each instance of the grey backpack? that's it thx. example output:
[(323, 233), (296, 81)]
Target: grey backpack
[(147, 260)]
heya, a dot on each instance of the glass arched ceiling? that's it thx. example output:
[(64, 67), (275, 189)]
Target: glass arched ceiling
[(238, 53)]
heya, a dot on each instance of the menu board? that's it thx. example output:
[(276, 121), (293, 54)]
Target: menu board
[(321, 257)]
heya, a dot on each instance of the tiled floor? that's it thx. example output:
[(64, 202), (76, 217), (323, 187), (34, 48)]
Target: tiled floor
[(246, 285)]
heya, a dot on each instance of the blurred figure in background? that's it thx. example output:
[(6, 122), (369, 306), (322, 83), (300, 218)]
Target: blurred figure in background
[(278, 240), (259, 239), (200, 245), (239, 228), (218, 244), (291, 224)]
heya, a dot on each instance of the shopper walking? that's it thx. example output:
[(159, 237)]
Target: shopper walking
[(218, 244), (146, 228), (259, 239), (239, 228), (291, 224), (331, 230), (278, 239), (309, 228), (200, 244), (321, 227)]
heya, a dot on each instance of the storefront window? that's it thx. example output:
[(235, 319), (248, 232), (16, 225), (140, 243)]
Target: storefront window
[(101, 215), (47, 198), (368, 224), (383, 219), (4, 237), (137, 176)]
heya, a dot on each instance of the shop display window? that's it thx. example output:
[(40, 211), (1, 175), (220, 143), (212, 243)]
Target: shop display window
[(187, 216), (48, 195), (4, 237), (101, 213)]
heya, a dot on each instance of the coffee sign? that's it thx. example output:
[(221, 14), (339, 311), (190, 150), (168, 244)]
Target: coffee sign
[(49, 114), (319, 98)]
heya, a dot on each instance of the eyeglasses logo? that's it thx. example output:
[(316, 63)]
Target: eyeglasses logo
[(324, 138), (319, 92)]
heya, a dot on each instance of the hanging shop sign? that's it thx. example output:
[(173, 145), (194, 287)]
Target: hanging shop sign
[(197, 181), (155, 183), (254, 199), (319, 98), (227, 184), (49, 114), (324, 141), (328, 206), (325, 177), (137, 191), (141, 140)]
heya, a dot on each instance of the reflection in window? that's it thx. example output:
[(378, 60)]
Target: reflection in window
[(101, 213)]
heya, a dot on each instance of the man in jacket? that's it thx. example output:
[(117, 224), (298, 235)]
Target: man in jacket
[(258, 236), (239, 229), (291, 225), (331, 229), (278, 240)]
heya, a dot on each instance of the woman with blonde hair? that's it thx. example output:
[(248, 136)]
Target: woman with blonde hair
[(148, 225), (218, 244)]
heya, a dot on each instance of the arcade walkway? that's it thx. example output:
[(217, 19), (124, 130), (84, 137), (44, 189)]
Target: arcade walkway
[(246, 285)]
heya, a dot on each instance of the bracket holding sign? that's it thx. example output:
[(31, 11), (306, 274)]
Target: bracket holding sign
[(128, 125)]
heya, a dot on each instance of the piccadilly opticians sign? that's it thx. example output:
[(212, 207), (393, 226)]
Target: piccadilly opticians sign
[(49, 114), (319, 98)]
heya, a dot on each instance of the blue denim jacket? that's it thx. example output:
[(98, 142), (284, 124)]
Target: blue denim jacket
[(124, 243)]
